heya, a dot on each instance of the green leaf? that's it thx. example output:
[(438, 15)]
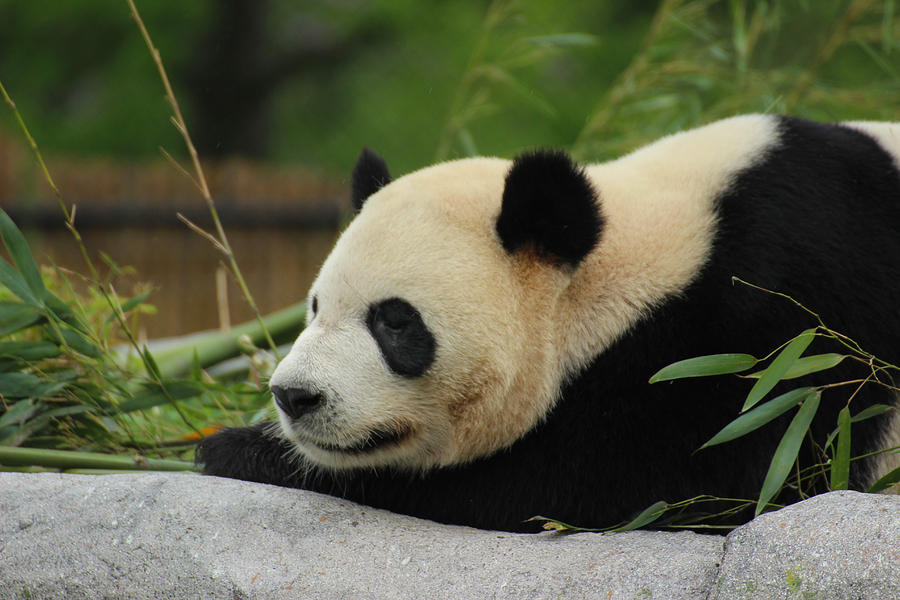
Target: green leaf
[(29, 350), (156, 396), (18, 385), (647, 516), (20, 412), (866, 413), (150, 363), (130, 304), (776, 370), (840, 466), (77, 342), (15, 316), (562, 40), (703, 366), (759, 416), (872, 411), (21, 255), (15, 283), (808, 364), (787, 450), (885, 482)]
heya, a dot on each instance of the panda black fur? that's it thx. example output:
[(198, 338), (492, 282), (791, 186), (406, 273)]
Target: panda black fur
[(483, 333)]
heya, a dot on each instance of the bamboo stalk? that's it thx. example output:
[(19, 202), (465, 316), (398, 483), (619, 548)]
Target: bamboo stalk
[(65, 459), (200, 180), (217, 346)]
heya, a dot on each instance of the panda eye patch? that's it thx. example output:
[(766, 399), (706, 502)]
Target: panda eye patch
[(405, 342)]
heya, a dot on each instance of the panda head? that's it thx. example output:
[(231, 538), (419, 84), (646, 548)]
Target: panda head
[(431, 335)]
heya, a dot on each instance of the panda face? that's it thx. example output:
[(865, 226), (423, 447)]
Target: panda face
[(427, 343)]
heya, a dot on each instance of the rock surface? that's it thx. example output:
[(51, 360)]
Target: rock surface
[(178, 536)]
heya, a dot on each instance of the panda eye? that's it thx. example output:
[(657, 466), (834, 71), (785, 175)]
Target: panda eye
[(314, 305), (406, 344)]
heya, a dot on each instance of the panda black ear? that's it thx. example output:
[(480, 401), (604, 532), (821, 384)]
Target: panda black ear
[(369, 175), (549, 207)]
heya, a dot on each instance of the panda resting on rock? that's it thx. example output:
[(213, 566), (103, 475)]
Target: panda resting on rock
[(480, 339)]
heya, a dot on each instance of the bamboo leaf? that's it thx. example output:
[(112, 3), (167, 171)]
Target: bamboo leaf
[(872, 411), (787, 450), (156, 396), (759, 416), (840, 466), (15, 316), (29, 350), (867, 413), (807, 365), (779, 366), (130, 304), (562, 40), (20, 412), (703, 366), (21, 255), (14, 282), (647, 516), (885, 482), (77, 342)]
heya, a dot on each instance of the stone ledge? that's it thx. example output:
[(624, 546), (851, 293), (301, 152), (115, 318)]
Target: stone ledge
[(179, 535)]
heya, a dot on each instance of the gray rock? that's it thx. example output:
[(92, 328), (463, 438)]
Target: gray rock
[(838, 545), (185, 536), (179, 536)]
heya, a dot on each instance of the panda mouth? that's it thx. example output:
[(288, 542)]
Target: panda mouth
[(375, 439)]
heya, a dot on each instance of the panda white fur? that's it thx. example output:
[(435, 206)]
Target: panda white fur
[(480, 339)]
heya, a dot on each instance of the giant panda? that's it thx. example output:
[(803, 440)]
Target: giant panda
[(480, 339)]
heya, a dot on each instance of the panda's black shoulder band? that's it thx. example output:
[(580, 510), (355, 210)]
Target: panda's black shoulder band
[(550, 207)]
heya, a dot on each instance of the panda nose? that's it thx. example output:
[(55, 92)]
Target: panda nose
[(296, 402)]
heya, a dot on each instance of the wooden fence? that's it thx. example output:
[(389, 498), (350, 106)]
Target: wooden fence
[(281, 222)]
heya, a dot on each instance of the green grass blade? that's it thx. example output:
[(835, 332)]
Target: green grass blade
[(779, 366), (20, 412), (840, 466), (885, 482), (129, 305), (21, 255), (787, 451), (808, 365), (156, 396), (14, 282), (759, 416), (704, 366), (29, 350), (647, 516), (15, 316)]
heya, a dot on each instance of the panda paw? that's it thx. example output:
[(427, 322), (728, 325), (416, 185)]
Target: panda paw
[(247, 453)]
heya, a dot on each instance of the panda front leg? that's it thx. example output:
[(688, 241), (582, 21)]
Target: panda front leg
[(251, 454)]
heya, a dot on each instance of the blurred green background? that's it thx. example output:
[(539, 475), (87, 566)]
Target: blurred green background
[(311, 82)]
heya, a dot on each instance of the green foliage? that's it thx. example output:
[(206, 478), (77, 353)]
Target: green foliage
[(68, 379), (788, 363), (458, 76)]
